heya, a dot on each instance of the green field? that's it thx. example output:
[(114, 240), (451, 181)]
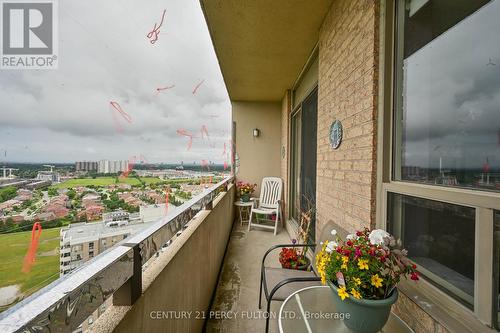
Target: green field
[(104, 181), (13, 248)]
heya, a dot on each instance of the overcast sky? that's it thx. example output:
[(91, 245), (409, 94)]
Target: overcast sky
[(64, 115), (452, 103)]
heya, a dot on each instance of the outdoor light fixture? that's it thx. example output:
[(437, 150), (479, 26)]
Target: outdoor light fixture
[(256, 132)]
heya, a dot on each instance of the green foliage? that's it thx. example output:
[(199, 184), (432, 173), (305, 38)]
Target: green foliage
[(71, 194), (10, 227), (7, 193), (52, 192)]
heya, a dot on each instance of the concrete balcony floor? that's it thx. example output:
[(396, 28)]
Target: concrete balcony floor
[(238, 287)]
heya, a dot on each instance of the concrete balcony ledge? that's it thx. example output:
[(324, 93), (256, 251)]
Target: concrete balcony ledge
[(179, 282)]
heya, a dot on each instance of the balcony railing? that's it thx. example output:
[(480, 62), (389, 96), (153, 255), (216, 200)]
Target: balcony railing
[(63, 305)]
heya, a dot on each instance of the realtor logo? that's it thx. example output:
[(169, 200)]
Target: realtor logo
[(29, 34)]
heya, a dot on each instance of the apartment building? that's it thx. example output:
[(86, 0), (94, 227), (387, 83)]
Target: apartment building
[(106, 166), (80, 242), (86, 166)]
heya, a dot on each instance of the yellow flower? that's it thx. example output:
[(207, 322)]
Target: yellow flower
[(345, 260), (355, 293), (343, 294), (363, 264), (343, 266), (357, 281), (376, 281), (322, 260)]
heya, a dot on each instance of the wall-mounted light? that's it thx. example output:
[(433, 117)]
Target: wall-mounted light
[(256, 132)]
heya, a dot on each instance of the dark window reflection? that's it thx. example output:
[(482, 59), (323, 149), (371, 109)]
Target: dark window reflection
[(449, 121), (439, 238)]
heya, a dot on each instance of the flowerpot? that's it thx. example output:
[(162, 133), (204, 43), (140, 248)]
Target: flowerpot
[(245, 197), (365, 315), (303, 267)]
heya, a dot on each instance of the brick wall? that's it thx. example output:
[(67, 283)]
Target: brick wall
[(348, 91), (348, 63)]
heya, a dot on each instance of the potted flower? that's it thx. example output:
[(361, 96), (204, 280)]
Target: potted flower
[(363, 272), (293, 258), (245, 190)]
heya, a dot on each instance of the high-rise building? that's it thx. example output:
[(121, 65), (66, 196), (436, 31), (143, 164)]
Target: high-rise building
[(106, 166), (86, 166)]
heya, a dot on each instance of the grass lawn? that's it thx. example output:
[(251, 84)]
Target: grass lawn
[(104, 181), (13, 248)]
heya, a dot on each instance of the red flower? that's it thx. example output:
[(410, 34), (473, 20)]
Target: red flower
[(349, 243), (414, 266), (414, 276), (359, 233)]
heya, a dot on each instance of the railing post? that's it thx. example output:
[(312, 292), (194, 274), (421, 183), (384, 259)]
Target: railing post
[(130, 292), (210, 205)]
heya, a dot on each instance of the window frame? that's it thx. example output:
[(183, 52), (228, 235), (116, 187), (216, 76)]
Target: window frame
[(484, 202)]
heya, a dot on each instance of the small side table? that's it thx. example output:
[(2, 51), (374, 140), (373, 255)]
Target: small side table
[(244, 210)]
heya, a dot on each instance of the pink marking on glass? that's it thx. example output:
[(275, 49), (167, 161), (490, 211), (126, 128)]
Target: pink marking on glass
[(130, 166), (153, 34), (160, 89), (124, 115), (29, 259), (185, 133), (197, 86)]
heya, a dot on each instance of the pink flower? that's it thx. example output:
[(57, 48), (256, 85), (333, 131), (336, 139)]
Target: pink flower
[(358, 252)]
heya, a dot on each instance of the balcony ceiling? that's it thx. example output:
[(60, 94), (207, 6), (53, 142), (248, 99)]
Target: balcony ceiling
[(262, 45)]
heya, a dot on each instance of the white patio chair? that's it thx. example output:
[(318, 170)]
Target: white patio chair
[(269, 202)]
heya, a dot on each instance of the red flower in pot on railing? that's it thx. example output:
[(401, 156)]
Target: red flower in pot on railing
[(293, 258)]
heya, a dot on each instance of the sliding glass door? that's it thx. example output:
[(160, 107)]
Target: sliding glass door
[(303, 160)]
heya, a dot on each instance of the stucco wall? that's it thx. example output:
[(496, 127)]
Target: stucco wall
[(259, 157)]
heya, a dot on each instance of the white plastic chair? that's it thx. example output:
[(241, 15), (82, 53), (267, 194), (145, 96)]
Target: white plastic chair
[(269, 202)]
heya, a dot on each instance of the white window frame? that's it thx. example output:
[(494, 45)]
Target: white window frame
[(484, 202)]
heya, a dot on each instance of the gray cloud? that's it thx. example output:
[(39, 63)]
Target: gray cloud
[(64, 115), (452, 104)]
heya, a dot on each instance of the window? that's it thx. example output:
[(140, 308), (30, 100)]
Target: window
[(91, 254), (448, 124), (295, 166), (91, 245), (440, 239), (441, 187), (303, 164)]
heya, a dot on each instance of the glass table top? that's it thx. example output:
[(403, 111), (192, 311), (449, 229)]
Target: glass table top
[(312, 310)]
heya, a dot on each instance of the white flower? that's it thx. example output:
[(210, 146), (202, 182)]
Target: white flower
[(333, 232), (377, 236), (331, 246), (351, 237)]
